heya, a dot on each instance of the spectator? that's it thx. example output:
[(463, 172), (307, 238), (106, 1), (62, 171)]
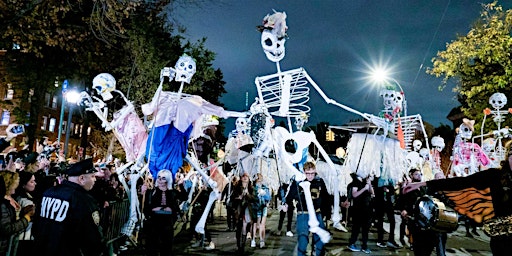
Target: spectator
[(9, 225)]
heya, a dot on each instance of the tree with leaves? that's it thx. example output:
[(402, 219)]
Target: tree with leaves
[(480, 62)]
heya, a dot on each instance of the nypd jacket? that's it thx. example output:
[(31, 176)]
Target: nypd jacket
[(68, 222)]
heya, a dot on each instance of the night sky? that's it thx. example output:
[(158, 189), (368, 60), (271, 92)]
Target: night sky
[(337, 42)]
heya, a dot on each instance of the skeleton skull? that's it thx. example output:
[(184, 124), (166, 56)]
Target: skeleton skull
[(241, 125), (272, 46), (392, 99), (424, 153), (104, 84), (185, 69), (416, 144), (465, 131), (498, 100), (438, 143)]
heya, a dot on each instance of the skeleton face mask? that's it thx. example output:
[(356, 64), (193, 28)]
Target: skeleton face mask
[(272, 46), (465, 132), (498, 100), (416, 144), (438, 143), (185, 69), (104, 84), (241, 124)]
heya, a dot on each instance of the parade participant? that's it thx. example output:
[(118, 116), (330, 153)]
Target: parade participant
[(318, 191), (384, 205), (68, 220), (9, 225), (242, 197), (496, 213), (161, 210), (406, 204), (259, 210), (360, 192), (286, 209)]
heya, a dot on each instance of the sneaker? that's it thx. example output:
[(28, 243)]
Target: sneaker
[(393, 245), (366, 250), (210, 246), (278, 233), (262, 244), (340, 227), (381, 245), (196, 244), (253, 243), (354, 248), (289, 233)]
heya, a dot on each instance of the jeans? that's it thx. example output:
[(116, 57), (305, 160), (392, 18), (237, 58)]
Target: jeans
[(303, 235)]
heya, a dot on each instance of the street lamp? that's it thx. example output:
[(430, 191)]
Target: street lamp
[(382, 75), (71, 97)]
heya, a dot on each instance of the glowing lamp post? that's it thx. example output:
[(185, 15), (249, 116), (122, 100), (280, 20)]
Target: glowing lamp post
[(71, 97)]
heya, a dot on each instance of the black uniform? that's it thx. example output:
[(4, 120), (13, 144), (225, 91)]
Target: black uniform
[(68, 222)]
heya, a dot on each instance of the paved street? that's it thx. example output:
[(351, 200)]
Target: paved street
[(225, 242)]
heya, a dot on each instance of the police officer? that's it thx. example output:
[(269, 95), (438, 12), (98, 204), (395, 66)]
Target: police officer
[(69, 217)]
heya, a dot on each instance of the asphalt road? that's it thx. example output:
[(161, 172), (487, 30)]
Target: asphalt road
[(225, 242)]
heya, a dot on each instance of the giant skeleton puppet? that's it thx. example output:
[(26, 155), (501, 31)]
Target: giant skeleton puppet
[(285, 94), (467, 157), (493, 146), (129, 131)]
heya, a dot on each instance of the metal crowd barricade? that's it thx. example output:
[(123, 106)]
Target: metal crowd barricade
[(13, 245), (113, 219)]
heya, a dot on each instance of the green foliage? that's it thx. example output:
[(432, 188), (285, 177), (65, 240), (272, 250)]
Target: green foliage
[(480, 62), (76, 40)]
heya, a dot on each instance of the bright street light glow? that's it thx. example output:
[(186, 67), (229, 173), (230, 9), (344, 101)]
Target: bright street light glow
[(380, 75), (72, 96)]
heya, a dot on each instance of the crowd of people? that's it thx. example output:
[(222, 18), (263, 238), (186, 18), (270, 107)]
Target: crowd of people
[(48, 205)]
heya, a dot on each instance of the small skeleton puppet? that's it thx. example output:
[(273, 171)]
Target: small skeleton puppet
[(437, 147), (467, 157), (414, 158), (237, 139), (392, 108), (498, 102), (489, 147)]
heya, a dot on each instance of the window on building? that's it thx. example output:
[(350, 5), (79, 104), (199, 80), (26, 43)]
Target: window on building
[(9, 93), (47, 100), (54, 102), (51, 128), (6, 116), (64, 125), (44, 123), (77, 129)]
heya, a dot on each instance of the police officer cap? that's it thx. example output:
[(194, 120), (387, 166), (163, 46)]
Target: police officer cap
[(83, 167)]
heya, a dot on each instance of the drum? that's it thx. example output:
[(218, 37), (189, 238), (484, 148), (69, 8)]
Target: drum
[(430, 213)]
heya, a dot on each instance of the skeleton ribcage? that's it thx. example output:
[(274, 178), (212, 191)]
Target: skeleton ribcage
[(285, 94)]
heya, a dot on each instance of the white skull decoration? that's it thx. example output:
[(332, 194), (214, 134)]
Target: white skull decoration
[(392, 99), (424, 153), (416, 144), (104, 84), (241, 125), (273, 36), (185, 69), (438, 143), (272, 46), (465, 131), (498, 100)]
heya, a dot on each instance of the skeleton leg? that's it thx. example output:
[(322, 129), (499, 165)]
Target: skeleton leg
[(313, 221), (202, 221)]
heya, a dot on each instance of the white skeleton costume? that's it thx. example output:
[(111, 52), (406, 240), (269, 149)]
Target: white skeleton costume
[(493, 146), (467, 157)]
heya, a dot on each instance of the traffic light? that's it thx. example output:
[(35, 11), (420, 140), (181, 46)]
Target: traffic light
[(329, 135)]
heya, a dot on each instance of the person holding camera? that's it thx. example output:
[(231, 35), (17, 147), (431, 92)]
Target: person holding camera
[(11, 132), (9, 226)]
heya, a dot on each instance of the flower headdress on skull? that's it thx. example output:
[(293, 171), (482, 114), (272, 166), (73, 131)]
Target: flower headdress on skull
[(104, 84), (273, 35)]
